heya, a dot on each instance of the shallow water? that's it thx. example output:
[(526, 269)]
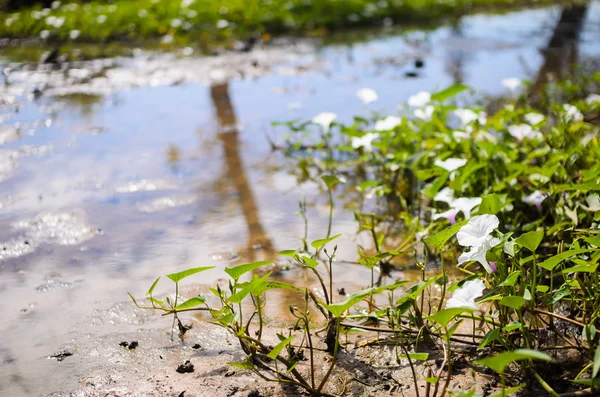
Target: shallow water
[(160, 162)]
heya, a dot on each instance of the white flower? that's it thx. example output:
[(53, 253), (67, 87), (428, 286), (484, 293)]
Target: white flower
[(465, 296), (511, 83), (573, 114), (44, 34), (420, 99), (476, 234), (523, 131), (101, 19), (592, 98), (424, 113), (55, 5), (175, 23), (450, 164), (534, 118), (222, 24), (478, 253), (186, 3), (324, 119), (366, 95), (167, 39), (463, 204), (536, 198), (477, 230), (73, 34), (445, 195), (593, 203), (389, 123), (461, 135), (364, 141), (466, 116), (142, 13)]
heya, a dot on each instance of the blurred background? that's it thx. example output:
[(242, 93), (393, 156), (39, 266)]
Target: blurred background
[(136, 139)]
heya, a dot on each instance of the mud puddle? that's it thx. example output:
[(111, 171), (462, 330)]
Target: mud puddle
[(116, 171)]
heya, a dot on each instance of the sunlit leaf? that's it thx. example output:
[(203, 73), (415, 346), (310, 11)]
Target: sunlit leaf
[(152, 287), (319, 243), (416, 356), (236, 272), (331, 180), (489, 338), (512, 326), (438, 240), (291, 253), (449, 92), (509, 391), (499, 362), (195, 301), (596, 362), (516, 302), (279, 347), (443, 317), (248, 288), (336, 309), (550, 264), (511, 279), (176, 277), (530, 240)]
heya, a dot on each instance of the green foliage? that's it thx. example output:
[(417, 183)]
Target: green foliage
[(177, 277), (499, 362)]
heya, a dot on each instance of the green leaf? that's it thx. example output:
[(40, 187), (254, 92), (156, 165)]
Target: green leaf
[(331, 180), (177, 277), (438, 240), (433, 380), (242, 365), (336, 309), (559, 295), (588, 268), (530, 240), (416, 289), (449, 92), (280, 346), (133, 299), (152, 288), (550, 264), (516, 302), (527, 294), (490, 204), (291, 253), (416, 356), (236, 272), (443, 317), (310, 262), (489, 338), (509, 391), (542, 288), (499, 362), (195, 301), (276, 284), (319, 243), (596, 362), (250, 287), (437, 185), (512, 326), (594, 240), (511, 279)]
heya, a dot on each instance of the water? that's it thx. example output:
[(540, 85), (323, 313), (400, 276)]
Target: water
[(158, 163)]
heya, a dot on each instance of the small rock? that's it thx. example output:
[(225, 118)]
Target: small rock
[(186, 367)]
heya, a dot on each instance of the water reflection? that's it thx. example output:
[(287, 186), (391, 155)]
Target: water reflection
[(562, 52), (236, 172)]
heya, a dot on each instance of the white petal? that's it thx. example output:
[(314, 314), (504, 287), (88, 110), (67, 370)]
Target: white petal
[(465, 205), (534, 118), (367, 95), (451, 164), (535, 198), (324, 119), (450, 214), (466, 116), (389, 123), (511, 83), (445, 195), (592, 98), (420, 99), (477, 230)]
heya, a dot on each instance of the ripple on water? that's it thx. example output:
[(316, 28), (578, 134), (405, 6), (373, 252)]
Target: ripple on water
[(62, 228), (165, 203), (146, 185)]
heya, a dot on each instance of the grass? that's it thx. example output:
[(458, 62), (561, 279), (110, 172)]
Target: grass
[(207, 21)]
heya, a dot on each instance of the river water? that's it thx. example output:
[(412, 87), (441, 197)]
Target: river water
[(116, 171)]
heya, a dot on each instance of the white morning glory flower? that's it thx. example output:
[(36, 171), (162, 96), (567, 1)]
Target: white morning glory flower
[(424, 113), (573, 114), (461, 135), (365, 141), (222, 23), (592, 98), (389, 123), (478, 253), (446, 195), (367, 95), (536, 198), (73, 34), (534, 118), (450, 164), (465, 295), (101, 19), (463, 204), (420, 99), (593, 203), (477, 230), (511, 83), (523, 131), (324, 119), (466, 116)]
